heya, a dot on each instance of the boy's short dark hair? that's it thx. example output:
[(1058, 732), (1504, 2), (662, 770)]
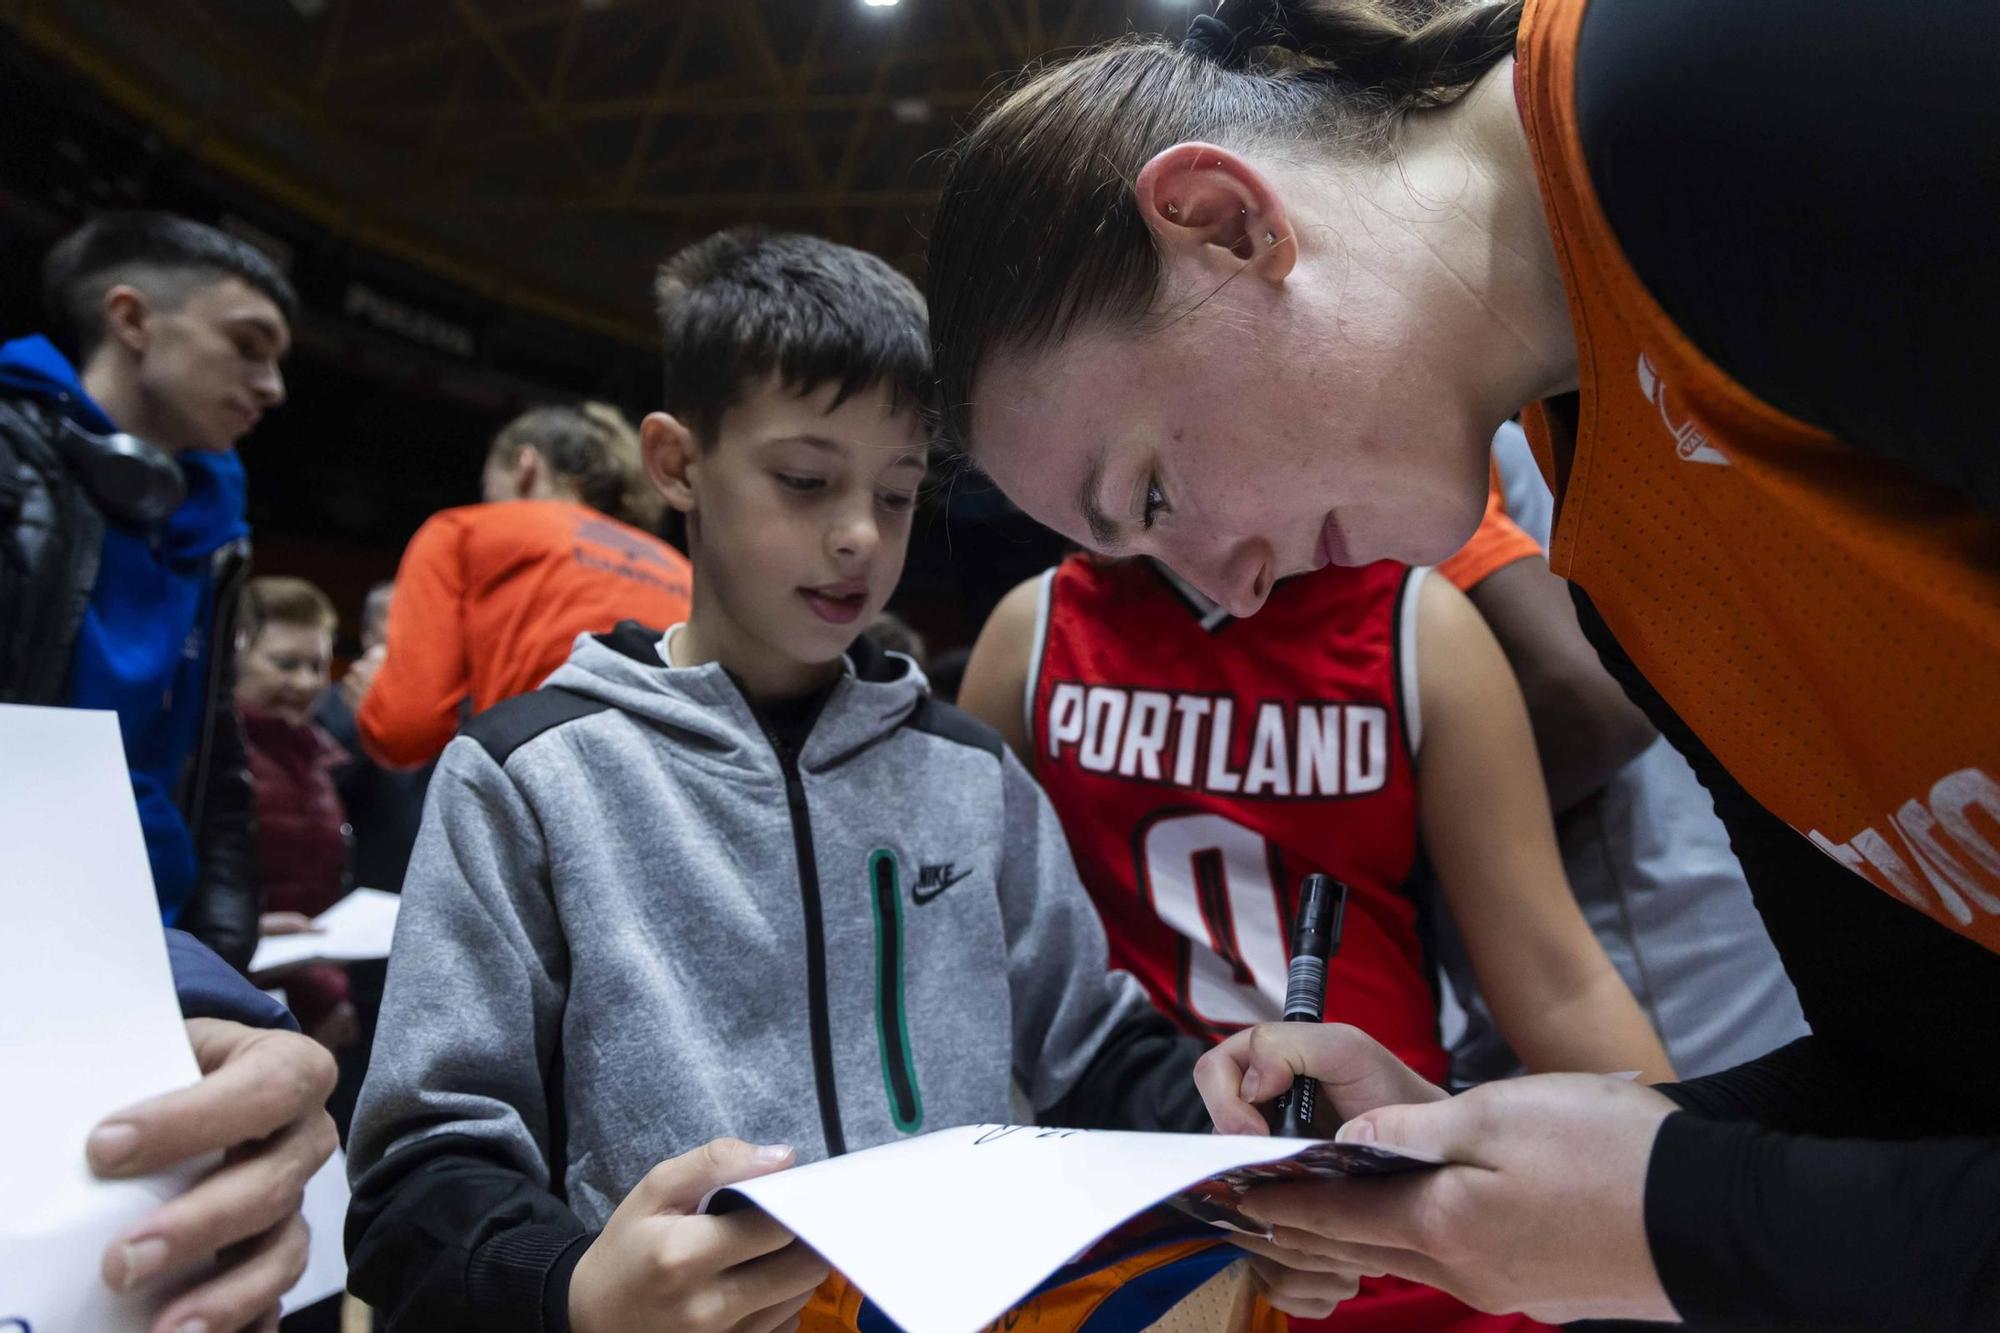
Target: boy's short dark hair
[(747, 303), (157, 252)]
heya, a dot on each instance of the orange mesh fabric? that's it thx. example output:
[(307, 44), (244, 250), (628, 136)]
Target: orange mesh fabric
[(1827, 624)]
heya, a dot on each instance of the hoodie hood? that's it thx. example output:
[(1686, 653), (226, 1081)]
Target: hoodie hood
[(212, 515), (32, 365), (703, 705)]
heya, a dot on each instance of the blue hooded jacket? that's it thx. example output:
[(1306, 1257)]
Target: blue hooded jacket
[(143, 649)]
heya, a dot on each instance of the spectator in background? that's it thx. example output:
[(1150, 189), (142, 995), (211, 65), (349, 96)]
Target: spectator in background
[(384, 805), (283, 660), (122, 532), (490, 597)]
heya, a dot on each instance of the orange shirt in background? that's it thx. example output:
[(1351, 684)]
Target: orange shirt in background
[(1827, 623), (490, 598)]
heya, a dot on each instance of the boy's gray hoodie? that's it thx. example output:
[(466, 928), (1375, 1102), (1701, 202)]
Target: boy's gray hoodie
[(635, 921)]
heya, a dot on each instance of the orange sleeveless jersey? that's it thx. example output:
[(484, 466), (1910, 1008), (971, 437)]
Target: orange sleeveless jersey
[(1827, 624)]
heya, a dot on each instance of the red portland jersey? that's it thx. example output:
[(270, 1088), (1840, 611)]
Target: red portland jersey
[(1203, 765)]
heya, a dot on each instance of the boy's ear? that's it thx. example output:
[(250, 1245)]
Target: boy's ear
[(671, 457), (1210, 205)]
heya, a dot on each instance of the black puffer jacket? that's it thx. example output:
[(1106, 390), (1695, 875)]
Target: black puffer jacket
[(51, 539)]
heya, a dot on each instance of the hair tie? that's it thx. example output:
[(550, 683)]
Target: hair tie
[(1212, 39)]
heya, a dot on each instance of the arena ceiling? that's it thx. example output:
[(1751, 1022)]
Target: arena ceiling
[(549, 152)]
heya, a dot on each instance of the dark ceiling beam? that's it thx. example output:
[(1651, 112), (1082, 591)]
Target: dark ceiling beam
[(426, 48), (857, 138), (469, 14), (329, 50), (651, 24), (727, 94), (436, 138), (670, 73), (698, 203), (745, 21), (807, 70), (565, 54), (1015, 36)]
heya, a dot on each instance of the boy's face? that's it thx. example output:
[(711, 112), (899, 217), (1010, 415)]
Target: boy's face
[(799, 515)]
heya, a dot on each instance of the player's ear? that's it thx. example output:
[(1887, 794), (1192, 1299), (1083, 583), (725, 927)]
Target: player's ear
[(1211, 207)]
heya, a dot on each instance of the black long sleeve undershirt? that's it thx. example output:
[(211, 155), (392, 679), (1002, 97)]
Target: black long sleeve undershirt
[(1850, 1179), (1808, 190)]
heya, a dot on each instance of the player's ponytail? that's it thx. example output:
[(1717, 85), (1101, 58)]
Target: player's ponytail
[(1406, 54), (1037, 232)]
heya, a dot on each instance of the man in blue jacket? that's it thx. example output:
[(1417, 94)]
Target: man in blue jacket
[(122, 532)]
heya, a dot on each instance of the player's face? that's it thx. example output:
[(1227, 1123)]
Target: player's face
[(1233, 459), (801, 520)]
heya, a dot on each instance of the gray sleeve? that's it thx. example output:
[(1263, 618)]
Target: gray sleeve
[(1067, 1000), (477, 978)]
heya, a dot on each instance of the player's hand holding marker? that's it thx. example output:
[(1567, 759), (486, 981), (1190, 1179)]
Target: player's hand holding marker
[(1303, 1272), (658, 1265), (1540, 1208)]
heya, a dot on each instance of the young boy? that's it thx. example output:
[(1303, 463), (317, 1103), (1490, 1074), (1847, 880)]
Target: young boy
[(747, 879)]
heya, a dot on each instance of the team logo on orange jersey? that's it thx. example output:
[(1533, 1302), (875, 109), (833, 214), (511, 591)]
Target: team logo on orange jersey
[(1947, 852), (1691, 442)]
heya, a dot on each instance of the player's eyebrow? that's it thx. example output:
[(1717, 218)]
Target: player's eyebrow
[(1104, 530)]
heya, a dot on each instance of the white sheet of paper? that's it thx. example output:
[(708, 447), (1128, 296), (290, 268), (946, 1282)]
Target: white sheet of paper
[(326, 1214), (88, 1020), (947, 1231), (359, 926)]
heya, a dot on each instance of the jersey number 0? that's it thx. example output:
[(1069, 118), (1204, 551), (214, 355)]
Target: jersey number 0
[(1215, 883)]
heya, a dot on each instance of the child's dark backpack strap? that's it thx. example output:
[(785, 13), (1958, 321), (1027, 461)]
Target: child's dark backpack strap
[(512, 723)]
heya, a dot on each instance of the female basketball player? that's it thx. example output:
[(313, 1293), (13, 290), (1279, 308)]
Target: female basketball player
[(1255, 303)]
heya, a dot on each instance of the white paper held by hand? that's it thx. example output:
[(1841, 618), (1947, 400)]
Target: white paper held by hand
[(88, 1020), (359, 926), (948, 1231)]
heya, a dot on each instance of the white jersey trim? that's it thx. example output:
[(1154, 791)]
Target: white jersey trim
[(1044, 598), (1406, 658)]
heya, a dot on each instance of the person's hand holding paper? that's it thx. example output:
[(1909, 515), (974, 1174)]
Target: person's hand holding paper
[(260, 1103), (110, 1225), (1534, 1168), (658, 1263)]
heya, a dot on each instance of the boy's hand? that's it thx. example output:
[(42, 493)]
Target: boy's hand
[(659, 1265)]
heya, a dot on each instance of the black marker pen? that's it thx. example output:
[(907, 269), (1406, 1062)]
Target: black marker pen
[(1315, 940)]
